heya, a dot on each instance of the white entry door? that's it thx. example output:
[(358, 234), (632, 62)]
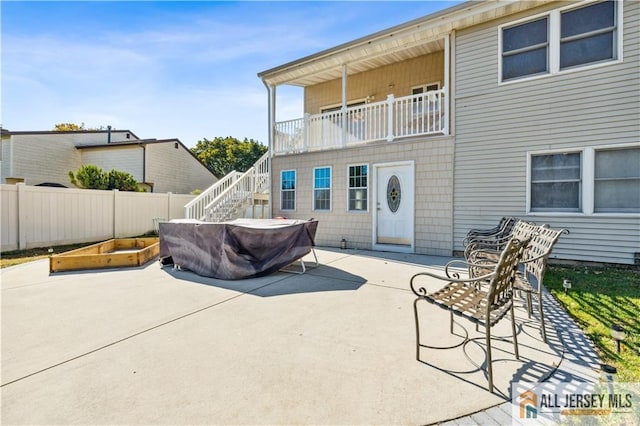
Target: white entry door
[(394, 204)]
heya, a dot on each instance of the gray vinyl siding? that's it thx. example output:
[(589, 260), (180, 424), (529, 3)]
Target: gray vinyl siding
[(128, 159), (37, 159), (497, 125), (172, 168)]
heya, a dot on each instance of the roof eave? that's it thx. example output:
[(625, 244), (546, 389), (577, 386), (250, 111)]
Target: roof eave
[(438, 24)]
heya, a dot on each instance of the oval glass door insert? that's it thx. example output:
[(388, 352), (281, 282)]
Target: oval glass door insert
[(394, 193)]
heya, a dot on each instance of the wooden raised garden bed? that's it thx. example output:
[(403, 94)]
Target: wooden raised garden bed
[(117, 253)]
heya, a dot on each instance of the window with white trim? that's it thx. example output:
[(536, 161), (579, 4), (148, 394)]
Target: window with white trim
[(600, 180), (358, 188), (556, 182), (560, 40), (525, 49), (288, 190), (617, 181), (587, 34), (322, 188)]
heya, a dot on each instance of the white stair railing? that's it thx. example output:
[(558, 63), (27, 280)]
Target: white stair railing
[(196, 208), (229, 202), (224, 201), (261, 168)]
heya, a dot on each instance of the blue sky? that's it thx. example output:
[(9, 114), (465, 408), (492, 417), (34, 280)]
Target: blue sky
[(184, 70)]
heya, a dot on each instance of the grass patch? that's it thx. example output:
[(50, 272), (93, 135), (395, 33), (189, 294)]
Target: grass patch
[(16, 257), (600, 297)]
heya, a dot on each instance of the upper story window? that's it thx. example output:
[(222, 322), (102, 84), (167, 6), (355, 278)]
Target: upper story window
[(561, 39), (418, 106), (358, 188), (587, 34), (288, 190), (425, 88), (525, 49), (590, 180), (322, 188)]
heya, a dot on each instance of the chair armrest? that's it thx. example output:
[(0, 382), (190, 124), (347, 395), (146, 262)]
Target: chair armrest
[(487, 236), (421, 291), (472, 251), (452, 264)]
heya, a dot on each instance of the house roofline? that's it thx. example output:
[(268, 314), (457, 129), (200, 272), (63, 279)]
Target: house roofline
[(8, 132), (389, 32), (459, 16), (142, 142), (126, 143)]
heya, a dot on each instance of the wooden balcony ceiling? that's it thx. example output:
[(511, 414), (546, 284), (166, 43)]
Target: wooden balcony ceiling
[(409, 40)]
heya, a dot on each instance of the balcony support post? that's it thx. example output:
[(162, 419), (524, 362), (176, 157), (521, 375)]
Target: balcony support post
[(305, 132), (390, 102), (447, 62), (344, 105)]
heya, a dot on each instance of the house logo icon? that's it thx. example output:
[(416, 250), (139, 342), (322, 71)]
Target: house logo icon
[(528, 405)]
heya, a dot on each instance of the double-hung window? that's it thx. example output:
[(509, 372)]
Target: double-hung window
[(617, 181), (556, 182), (322, 188), (525, 49), (288, 190), (561, 39), (358, 188), (587, 34), (590, 180)]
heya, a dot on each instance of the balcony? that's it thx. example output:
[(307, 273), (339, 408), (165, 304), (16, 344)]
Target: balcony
[(394, 118)]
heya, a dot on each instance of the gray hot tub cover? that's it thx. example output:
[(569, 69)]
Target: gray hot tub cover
[(238, 249)]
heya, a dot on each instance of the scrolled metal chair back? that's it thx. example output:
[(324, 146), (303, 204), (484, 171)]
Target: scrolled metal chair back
[(501, 284), (539, 249)]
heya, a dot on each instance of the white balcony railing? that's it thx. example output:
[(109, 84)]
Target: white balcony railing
[(415, 115)]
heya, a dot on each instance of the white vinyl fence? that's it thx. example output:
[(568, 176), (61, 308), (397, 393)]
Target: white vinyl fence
[(34, 216)]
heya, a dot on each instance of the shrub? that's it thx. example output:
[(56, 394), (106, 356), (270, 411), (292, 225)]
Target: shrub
[(92, 177)]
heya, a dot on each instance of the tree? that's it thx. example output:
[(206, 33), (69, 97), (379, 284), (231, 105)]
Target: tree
[(223, 155), (89, 177), (92, 177), (73, 127), (121, 180), (68, 127)]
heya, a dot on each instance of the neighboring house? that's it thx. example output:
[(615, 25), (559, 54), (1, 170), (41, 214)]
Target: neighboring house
[(47, 157), (413, 135)]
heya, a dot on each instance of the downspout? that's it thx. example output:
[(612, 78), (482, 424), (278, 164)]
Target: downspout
[(271, 107)]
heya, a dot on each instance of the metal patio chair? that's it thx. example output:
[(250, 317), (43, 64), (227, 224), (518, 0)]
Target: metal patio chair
[(484, 305), (502, 230), (535, 262), (533, 265), (479, 248)]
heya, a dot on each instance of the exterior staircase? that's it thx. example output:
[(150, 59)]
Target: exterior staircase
[(234, 196)]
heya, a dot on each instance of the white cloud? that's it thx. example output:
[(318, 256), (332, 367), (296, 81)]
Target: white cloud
[(174, 73)]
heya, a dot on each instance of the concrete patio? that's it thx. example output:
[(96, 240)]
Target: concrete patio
[(336, 345)]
